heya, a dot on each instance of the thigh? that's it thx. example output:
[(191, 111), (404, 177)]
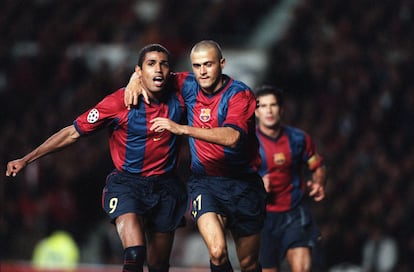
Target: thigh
[(248, 208), (242, 202), (130, 229), (270, 242), (125, 193), (299, 230), (203, 197)]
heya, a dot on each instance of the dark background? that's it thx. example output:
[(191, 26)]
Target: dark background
[(346, 68)]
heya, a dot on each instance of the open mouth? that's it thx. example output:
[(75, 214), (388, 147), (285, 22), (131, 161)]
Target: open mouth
[(158, 81)]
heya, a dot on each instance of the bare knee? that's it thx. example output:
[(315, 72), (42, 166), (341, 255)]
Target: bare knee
[(218, 254), (300, 267), (299, 259), (249, 264)]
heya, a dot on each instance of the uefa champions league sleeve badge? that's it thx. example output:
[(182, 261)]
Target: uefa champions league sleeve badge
[(93, 116)]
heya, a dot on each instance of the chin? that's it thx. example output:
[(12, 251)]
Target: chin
[(206, 87), (271, 125), (157, 89)]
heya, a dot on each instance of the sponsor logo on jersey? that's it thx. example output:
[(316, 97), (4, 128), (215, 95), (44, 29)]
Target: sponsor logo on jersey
[(205, 115), (279, 158), (93, 116)]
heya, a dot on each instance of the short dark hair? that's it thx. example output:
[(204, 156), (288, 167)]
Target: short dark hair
[(269, 89), (151, 48)]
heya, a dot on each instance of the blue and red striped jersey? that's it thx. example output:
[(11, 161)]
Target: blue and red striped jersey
[(233, 105), (133, 147), (284, 159)]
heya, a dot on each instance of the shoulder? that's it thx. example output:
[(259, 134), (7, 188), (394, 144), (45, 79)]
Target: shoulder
[(294, 132), (291, 129), (114, 101), (116, 96), (237, 84), (181, 76), (238, 87), (186, 83)]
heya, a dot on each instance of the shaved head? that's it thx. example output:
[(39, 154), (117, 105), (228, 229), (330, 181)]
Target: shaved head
[(206, 45)]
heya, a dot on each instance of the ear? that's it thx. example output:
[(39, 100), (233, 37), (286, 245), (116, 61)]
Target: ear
[(222, 63), (138, 71)]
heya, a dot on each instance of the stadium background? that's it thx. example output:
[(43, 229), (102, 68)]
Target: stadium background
[(346, 67)]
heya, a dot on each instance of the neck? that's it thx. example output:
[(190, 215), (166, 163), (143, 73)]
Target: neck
[(272, 132), (152, 95), (218, 86)]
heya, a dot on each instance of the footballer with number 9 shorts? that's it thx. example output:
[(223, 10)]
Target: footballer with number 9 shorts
[(143, 197)]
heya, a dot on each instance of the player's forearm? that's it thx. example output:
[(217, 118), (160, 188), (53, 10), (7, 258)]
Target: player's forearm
[(320, 176), (225, 136), (56, 142)]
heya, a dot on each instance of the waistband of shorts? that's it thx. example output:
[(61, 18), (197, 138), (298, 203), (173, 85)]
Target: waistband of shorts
[(249, 177), (153, 178)]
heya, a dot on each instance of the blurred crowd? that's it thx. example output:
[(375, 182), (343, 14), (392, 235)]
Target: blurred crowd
[(345, 67)]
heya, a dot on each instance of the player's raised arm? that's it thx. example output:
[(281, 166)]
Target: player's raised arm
[(56, 142)]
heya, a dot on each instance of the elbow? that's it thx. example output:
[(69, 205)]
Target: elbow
[(233, 140)]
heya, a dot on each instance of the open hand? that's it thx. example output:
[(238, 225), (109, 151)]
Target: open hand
[(133, 90)]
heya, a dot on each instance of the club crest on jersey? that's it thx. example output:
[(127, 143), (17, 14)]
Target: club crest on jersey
[(279, 158), (93, 116), (205, 115)]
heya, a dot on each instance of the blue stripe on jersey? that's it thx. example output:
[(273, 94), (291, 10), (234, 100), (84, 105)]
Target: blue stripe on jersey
[(263, 166), (189, 92), (175, 113), (297, 146), (136, 139), (196, 165)]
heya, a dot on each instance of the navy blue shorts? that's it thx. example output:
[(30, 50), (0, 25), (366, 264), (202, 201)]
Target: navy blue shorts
[(241, 201), (285, 230), (160, 200)]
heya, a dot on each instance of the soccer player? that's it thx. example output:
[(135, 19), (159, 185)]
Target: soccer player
[(225, 189), (142, 196), (289, 229)]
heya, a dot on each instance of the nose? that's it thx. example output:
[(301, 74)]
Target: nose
[(203, 69), (268, 109), (158, 67)]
